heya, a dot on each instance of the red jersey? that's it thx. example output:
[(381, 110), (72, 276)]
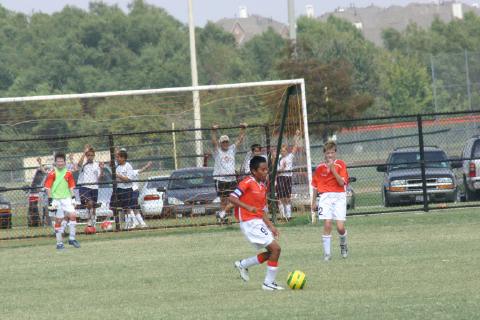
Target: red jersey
[(253, 193), (51, 178), (324, 180)]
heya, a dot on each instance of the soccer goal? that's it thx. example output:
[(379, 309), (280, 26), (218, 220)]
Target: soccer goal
[(165, 132)]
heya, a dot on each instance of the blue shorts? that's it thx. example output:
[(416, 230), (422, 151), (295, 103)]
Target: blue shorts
[(87, 194), (134, 200), (123, 199)]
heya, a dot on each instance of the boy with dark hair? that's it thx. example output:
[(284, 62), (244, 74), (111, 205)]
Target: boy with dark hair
[(255, 150), (61, 199), (330, 180), (125, 174), (250, 200)]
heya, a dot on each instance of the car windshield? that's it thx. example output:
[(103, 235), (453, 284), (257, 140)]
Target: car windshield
[(158, 183), (191, 180), (408, 160)]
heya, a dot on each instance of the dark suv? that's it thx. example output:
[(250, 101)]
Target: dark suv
[(37, 201), (403, 179)]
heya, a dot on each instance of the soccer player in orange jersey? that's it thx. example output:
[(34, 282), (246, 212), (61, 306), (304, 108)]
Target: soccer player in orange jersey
[(250, 201), (330, 180)]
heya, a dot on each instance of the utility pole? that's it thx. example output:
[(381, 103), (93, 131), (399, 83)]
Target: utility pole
[(292, 26), (197, 121)]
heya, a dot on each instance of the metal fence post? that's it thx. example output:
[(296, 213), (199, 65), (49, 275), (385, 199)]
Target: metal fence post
[(422, 162), (111, 145)]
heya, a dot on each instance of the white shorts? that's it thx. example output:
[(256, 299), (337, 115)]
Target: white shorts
[(332, 206), (257, 233), (64, 207)]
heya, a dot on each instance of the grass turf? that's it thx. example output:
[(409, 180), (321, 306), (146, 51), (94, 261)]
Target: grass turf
[(401, 266)]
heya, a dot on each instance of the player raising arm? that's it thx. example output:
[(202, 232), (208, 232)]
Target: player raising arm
[(250, 201)]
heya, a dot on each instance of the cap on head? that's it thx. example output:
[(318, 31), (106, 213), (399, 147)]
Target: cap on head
[(224, 138)]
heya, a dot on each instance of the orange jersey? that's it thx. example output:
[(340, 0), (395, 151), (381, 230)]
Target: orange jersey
[(324, 181), (253, 193), (51, 178)]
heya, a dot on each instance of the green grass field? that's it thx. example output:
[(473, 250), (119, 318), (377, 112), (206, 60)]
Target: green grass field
[(401, 266)]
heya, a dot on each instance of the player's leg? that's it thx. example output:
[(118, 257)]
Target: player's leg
[(243, 265), (59, 223), (71, 216), (340, 215), (288, 194), (325, 213), (270, 283)]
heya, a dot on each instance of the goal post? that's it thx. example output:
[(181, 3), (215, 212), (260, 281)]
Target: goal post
[(154, 124)]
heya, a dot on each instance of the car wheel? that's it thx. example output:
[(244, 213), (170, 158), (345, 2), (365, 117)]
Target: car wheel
[(469, 195), (385, 201)]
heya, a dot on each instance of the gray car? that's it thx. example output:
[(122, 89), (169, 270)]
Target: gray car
[(403, 179), (191, 191)]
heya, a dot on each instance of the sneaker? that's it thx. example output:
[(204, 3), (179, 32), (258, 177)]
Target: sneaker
[(243, 271), (60, 246), (271, 287), (344, 250), (144, 226), (74, 243), (327, 257)]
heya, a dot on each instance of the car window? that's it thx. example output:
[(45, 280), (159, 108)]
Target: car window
[(157, 183), (407, 160), (192, 179), (476, 150)]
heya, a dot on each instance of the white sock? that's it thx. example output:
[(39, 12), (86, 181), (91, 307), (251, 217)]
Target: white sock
[(326, 244), (133, 220), (248, 262), (289, 210), (140, 219), (271, 274), (58, 235), (222, 214), (343, 238), (72, 225)]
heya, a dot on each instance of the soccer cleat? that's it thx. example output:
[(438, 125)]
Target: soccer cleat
[(344, 250), (243, 271), (272, 287), (60, 246), (144, 226), (74, 243), (327, 257)]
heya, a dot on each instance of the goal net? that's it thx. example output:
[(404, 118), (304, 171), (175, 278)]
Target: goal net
[(167, 134)]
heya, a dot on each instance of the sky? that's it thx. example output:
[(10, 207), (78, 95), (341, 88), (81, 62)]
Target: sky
[(213, 10)]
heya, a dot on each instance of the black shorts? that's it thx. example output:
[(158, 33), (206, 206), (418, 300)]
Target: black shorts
[(284, 187), (134, 200), (87, 194), (123, 199), (224, 188)]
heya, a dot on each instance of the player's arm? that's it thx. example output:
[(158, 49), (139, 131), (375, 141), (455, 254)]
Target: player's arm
[(214, 137), (235, 200), (270, 225), (340, 180), (241, 136), (145, 167), (315, 192)]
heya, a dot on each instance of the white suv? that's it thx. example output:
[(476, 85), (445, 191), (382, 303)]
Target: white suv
[(471, 168)]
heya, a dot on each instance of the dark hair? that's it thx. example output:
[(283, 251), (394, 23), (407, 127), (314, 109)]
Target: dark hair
[(123, 154), (256, 161), (255, 146), (60, 155), (329, 145)]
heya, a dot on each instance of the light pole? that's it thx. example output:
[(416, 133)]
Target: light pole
[(197, 121)]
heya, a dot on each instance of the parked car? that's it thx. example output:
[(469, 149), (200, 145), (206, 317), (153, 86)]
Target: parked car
[(5, 212), (300, 193), (37, 201), (152, 195), (403, 180), (470, 172), (191, 191)]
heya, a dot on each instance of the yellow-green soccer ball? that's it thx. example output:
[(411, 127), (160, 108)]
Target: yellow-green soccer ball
[(296, 279)]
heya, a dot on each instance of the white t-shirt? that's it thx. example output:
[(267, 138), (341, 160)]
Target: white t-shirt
[(89, 173), (125, 170), (224, 163), (135, 177), (286, 164)]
